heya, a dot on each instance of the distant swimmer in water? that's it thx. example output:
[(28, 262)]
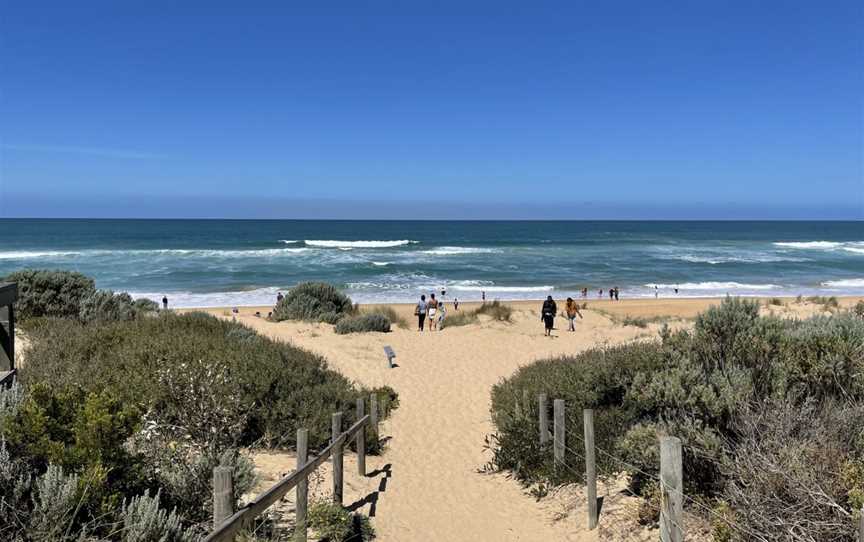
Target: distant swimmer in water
[(676, 289)]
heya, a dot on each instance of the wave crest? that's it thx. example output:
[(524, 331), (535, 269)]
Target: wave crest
[(329, 243)]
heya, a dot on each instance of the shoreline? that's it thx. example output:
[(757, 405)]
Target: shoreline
[(680, 307)]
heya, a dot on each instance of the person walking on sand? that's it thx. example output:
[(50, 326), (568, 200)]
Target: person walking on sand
[(600, 294), (420, 312), (432, 310), (656, 292), (455, 303), (616, 293), (611, 294), (279, 297), (165, 302), (442, 312), (483, 296), (572, 310), (547, 314)]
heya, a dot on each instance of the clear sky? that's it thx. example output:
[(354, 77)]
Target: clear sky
[(697, 109)]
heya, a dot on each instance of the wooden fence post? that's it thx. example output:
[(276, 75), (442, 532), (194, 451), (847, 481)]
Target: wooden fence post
[(861, 525), (360, 441), (543, 415), (373, 415), (223, 495), (671, 490), (590, 467), (558, 426), (337, 458), (302, 486)]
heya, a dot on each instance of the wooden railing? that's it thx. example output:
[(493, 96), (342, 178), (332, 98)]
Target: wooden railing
[(227, 524)]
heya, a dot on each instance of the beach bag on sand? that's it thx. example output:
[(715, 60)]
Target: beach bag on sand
[(416, 310)]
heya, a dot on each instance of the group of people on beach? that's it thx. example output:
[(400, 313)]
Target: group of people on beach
[(550, 309), (434, 311)]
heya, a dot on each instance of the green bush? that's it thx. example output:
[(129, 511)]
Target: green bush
[(496, 310), (390, 313), (332, 523), (858, 309), (362, 323), (457, 319), (192, 372), (43, 292), (736, 390), (105, 305), (313, 302)]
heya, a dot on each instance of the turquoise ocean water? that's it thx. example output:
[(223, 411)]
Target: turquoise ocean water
[(227, 262)]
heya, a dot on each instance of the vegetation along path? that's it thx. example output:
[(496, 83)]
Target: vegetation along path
[(436, 490)]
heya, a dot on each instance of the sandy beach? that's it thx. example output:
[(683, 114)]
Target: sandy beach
[(428, 485)]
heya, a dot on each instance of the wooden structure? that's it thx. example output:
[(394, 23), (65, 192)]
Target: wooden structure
[(228, 524), (8, 296)]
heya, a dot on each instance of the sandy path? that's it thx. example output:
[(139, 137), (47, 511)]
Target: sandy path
[(435, 491)]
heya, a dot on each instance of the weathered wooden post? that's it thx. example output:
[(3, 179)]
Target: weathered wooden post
[(360, 441), (559, 439), (543, 415), (373, 416), (337, 457), (861, 525), (302, 486), (671, 490), (223, 495), (590, 468)]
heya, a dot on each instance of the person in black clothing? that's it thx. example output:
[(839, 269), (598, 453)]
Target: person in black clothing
[(165, 302), (547, 314)]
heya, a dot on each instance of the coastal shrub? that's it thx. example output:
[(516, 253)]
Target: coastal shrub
[(144, 521), (196, 374), (776, 301), (332, 523), (43, 292), (457, 319), (362, 323), (105, 305), (634, 321), (313, 302), (748, 396), (495, 310), (395, 317), (858, 309)]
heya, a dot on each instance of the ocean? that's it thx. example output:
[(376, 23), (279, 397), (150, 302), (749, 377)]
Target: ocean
[(201, 263)]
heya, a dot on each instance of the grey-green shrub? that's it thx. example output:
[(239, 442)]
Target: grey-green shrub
[(276, 386), (332, 523), (703, 386), (144, 521), (43, 292), (363, 323), (104, 305), (313, 302)]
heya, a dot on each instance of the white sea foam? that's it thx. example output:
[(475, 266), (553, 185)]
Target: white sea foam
[(36, 254), (455, 251), (244, 298), (288, 241), (504, 289), (716, 260), (715, 286), (845, 283), (808, 244), (357, 244), (381, 264)]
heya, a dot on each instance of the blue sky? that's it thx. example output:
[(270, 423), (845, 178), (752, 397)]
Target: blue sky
[(432, 110)]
